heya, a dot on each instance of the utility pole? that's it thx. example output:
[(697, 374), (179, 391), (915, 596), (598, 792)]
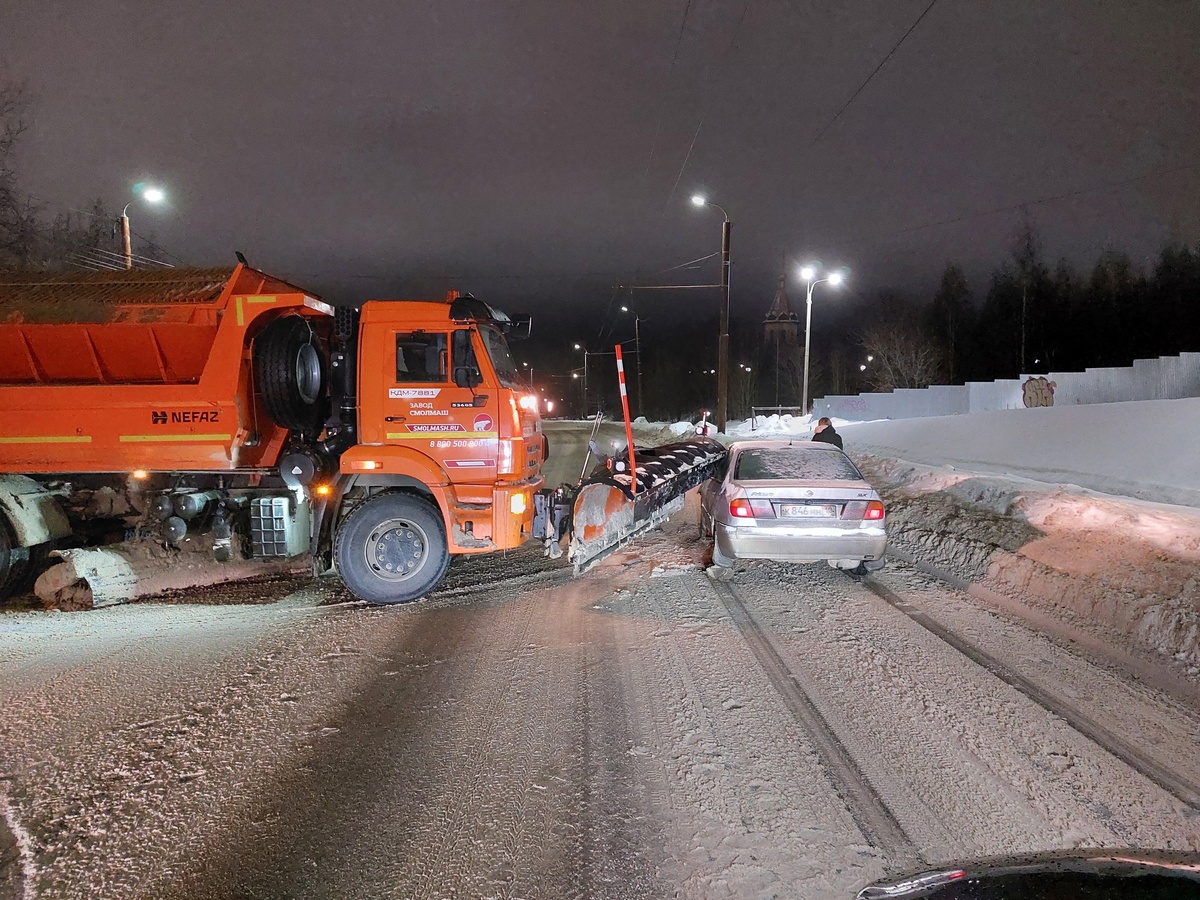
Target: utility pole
[(126, 245), (637, 339), (150, 195), (723, 345), (723, 338), (1024, 292)]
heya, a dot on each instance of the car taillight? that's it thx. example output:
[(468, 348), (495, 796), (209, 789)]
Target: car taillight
[(874, 511), (742, 508)]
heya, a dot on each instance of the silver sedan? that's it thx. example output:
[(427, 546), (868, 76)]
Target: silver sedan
[(793, 501)]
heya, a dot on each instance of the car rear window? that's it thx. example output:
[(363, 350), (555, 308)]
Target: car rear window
[(790, 463)]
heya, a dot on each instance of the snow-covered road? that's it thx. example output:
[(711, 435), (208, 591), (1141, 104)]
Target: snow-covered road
[(638, 732)]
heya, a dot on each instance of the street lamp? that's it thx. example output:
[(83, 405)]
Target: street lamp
[(723, 340), (637, 343), (585, 368), (150, 195), (809, 273)]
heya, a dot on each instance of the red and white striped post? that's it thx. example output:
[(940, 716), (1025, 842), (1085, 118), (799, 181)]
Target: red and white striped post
[(628, 424)]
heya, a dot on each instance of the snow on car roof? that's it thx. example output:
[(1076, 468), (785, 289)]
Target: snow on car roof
[(791, 460)]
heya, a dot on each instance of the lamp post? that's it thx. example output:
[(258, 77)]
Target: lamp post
[(637, 343), (808, 273), (150, 195), (585, 367), (583, 405), (723, 340)]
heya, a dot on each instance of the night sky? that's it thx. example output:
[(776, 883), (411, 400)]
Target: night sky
[(540, 149)]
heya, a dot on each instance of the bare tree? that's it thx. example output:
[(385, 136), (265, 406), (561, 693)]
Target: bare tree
[(744, 384), (903, 357), (16, 216)]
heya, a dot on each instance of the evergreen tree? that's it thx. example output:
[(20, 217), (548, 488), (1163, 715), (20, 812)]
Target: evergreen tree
[(951, 320)]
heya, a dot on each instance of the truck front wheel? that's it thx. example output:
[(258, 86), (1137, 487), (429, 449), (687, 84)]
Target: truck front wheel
[(392, 549)]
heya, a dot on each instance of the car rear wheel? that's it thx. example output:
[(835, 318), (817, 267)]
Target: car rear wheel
[(718, 558), (392, 549)]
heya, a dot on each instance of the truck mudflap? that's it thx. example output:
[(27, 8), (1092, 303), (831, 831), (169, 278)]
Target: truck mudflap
[(610, 509)]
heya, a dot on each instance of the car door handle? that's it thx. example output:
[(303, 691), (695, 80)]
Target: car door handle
[(395, 418)]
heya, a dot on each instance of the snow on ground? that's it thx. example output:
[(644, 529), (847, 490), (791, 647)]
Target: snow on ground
[(604, 734)]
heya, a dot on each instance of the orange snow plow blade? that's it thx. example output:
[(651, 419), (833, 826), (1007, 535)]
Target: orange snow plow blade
[(609, 510)]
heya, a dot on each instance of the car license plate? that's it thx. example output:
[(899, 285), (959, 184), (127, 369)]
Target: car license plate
[(807, 511)]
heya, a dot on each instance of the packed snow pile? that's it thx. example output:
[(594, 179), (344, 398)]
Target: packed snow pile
[(1122, 569), (759, 427)]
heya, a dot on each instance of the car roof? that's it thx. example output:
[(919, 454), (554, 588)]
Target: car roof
[(778, 443)]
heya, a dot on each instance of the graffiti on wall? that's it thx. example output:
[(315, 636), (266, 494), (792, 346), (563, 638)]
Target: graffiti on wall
[(1038, 392)]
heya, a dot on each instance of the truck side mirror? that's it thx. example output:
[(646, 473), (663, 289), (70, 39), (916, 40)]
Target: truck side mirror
[(468, 377), (520, 327)]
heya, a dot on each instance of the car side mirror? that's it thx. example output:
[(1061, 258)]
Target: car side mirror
[(520, 327), (467, 377)]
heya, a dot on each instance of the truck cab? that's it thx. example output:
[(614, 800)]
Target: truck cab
[(449, 446)]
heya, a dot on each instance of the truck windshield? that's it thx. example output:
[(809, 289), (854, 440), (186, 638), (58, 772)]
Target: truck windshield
[(502, 361)]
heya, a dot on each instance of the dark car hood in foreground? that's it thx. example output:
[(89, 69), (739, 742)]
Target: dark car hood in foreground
[(1076, 874)]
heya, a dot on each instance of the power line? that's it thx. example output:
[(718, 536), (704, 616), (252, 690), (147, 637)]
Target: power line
[(670, 72), (1038, 201), (874, 72), (133, 256), (724, 60), (685, 265)]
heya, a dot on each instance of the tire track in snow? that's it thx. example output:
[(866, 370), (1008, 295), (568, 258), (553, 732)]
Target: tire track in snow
[(16, 855), (872, 816), (1127, 752)]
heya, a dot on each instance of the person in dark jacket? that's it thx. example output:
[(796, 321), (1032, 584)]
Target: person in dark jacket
[(825, 432)]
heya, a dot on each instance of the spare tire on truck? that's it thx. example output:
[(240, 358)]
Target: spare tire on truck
[(289, 368)]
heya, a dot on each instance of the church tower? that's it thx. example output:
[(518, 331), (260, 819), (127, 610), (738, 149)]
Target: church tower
[(781, 326)]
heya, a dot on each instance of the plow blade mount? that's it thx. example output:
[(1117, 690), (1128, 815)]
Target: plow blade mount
[(608, 512)]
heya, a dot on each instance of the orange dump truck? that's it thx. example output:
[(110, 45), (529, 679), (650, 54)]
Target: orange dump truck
[(179, 425)]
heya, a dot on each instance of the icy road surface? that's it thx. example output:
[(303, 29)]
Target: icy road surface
[(642, 731)]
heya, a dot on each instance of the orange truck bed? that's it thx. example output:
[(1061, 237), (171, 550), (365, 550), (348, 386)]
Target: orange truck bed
[(145, 369)]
